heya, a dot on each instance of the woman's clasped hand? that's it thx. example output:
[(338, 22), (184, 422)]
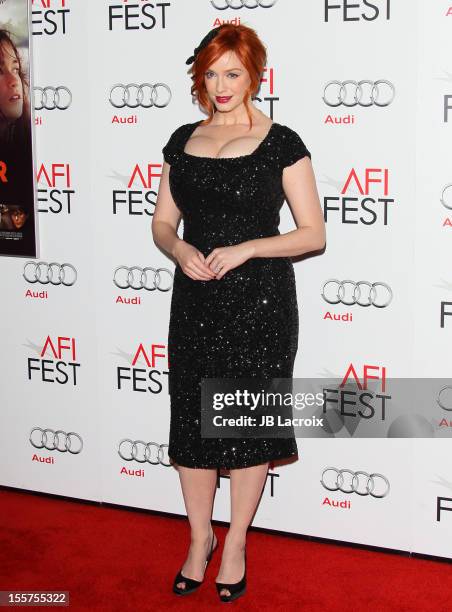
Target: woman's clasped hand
[(215, 265)]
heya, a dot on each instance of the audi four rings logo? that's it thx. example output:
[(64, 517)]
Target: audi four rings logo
[(378, 298), (53, 272), (365, 93), (443, 396), (144, 95), (141, 278), (238, 4), (56, 440), (443, 197), (144, 452), (50, 98), (359, 482)]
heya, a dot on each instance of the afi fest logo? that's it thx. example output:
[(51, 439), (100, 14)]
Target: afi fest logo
[(49, 17), (155, 363), (353, 399), (369, 206), (61, 363), (137, 16), (141, 199), (266, 96), (357, 10), (55, 193)]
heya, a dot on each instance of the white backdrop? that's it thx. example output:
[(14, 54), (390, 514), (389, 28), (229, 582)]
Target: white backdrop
[(99, 175)]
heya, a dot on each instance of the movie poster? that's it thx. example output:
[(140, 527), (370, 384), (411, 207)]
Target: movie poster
[(18, 216)]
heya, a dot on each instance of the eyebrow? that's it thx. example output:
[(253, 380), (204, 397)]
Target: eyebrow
[(228, 70)]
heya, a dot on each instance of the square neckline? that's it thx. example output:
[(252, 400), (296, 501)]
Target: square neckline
[(256, 150)]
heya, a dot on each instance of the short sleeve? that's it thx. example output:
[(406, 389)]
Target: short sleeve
[(292, 147), (171, 149)]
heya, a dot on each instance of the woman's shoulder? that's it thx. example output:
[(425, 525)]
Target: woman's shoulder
[(175, 140), (291, 146), (287, 132), (178, 132), (181, 130)]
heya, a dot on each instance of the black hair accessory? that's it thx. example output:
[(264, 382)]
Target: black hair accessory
[(205, 41)]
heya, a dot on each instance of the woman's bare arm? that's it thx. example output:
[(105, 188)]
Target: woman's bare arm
[(166, 216)]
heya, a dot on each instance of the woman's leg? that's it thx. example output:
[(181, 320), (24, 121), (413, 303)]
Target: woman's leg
[(198, 488), (246, 489)]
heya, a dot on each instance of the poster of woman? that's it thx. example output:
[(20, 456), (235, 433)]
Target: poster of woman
[(17, 203)]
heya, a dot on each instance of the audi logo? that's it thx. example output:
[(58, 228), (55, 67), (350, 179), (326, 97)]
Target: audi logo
[(144, 95), (238, 4), (51, 98), (362, 298), (441, 400), (139, 278), (359, 482), (144, 452), (364, 93), (55, 440), (443, 197), (53, 272)]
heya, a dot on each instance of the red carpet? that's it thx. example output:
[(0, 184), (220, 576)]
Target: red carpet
[(115, 559)]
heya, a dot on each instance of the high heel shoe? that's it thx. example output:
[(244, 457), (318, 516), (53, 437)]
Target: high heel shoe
[(236, 589), (192, 585)]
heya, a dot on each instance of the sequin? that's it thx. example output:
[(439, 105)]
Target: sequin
[(246, 323)]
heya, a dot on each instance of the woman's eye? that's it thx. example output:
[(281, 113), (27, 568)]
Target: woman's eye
[(231, 74)]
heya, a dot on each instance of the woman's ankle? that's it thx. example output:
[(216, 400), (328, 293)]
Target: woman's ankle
[(201, 536), (236, 539)]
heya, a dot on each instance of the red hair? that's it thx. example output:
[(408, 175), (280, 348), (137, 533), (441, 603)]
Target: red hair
[(249, 49)]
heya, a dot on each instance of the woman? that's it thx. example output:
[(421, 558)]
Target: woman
[(14, 101), (234, 307), (15, 141)]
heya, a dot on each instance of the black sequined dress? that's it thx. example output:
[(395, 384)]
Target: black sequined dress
[(246, 323)]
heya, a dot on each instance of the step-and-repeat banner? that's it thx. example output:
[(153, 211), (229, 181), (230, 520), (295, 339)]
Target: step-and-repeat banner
[(84, 361)]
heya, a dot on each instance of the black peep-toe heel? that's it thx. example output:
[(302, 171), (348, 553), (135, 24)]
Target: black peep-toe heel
[(236, 589), (191, 585)]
